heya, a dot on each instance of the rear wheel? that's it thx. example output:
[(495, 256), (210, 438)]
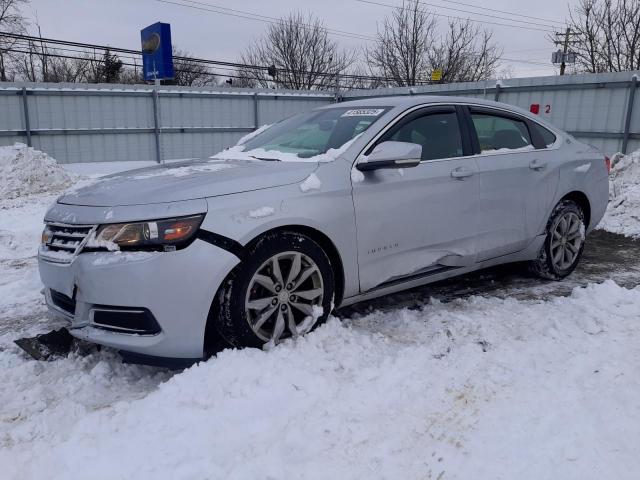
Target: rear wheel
[(283, 288), (563, 246)]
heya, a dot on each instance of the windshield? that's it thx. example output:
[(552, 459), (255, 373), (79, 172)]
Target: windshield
[(311, 134)]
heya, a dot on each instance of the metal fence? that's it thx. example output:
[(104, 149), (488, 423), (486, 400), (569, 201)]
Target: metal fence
[(92, 123), (600, 109), (95, 123)]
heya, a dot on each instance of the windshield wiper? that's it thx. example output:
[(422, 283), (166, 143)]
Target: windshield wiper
[(265, 159)]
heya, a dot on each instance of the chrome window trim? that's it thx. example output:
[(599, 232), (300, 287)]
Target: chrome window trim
[(402, 115)]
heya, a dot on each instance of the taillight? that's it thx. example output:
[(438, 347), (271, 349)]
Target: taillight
[(607, 162)]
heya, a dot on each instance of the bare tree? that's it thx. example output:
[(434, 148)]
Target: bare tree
[(407, 49), (465, 54), (605, 35), (301, 52), (189, 72), (39, 63), (11, 21), (401, 50)]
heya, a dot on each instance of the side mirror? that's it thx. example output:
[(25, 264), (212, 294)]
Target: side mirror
[(392, 155)]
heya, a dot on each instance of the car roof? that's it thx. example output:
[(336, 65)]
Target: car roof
[(413, 100), (408, 101)]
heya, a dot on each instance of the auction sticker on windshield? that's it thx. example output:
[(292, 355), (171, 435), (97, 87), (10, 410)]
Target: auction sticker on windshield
[(363, 112)]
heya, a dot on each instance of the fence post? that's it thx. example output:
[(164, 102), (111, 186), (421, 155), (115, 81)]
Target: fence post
[(255, 111), (497, 95), (25, 109), (156, 123), (627, 121)]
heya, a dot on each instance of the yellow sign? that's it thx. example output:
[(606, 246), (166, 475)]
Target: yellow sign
[(436, 75)]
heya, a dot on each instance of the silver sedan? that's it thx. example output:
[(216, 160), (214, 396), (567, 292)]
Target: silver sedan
[(327, 208)]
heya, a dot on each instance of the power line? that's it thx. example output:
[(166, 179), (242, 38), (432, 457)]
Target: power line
[(188, 59), (72, 57), (87, 48), (501, 11), (272, 20), (484, 14), (209, 7), (522, 27)]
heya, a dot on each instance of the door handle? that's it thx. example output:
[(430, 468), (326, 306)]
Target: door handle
[(537, 165), (461, 172)]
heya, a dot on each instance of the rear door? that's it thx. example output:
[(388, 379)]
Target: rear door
[(517, 179), (416, 221)]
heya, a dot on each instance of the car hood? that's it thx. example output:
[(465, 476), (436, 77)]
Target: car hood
[(187, 181)]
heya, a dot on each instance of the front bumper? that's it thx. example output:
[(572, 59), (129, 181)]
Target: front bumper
[(177, 288)]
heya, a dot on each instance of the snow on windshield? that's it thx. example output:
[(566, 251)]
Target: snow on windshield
[(315, 136), (238, 152)]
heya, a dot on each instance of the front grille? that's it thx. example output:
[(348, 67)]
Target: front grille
[(65, 241), (63, 302)]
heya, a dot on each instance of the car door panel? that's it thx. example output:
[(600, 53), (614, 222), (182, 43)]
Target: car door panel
[(416, 220), (515, 180)]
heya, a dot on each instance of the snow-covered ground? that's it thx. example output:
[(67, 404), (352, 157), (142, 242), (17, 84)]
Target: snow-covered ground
[(623, 214), (482, 388)]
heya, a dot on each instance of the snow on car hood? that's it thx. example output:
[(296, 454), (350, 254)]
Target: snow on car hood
[(188, 180)]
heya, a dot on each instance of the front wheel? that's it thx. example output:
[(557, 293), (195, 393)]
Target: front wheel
[(283, 288), (563, 244)]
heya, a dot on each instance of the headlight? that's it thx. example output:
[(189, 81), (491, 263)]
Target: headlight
[(164, 234)]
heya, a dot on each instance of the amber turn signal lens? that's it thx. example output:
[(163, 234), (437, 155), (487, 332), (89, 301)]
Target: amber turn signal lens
[(178, 231)]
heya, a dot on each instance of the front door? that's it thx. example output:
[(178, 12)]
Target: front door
[(420, 220)]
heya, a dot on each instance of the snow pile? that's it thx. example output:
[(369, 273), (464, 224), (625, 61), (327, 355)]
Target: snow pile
[(623, 213), (356, 175), (479, 388), (312, 182), (25, 171), (183, 171), (262, 212)]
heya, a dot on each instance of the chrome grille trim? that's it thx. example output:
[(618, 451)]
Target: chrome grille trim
[(65, 238)]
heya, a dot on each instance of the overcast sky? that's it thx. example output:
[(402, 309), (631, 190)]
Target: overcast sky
[(218, 36)]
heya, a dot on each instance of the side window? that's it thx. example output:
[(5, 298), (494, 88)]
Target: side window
[(496, 132), (547, 136), (438, 133)]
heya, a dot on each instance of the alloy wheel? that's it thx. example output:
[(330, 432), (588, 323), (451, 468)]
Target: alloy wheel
[(566, 240), (284, 293)]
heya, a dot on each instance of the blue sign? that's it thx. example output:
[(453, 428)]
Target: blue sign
[(157, 59)]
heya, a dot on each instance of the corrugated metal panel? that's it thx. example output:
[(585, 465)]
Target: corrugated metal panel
[(94, 123), (97, 147), (587, 104), (80, 123), (11, 116)]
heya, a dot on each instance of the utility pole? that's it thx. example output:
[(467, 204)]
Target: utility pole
[(565, 50)]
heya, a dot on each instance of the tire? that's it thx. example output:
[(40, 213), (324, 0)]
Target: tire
[(253, 310), (564, 243)]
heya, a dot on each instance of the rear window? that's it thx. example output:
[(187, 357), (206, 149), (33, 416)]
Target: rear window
[(548, 137)]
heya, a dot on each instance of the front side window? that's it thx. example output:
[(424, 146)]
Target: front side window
[(438, 133), (313, 133), (496, 132)]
